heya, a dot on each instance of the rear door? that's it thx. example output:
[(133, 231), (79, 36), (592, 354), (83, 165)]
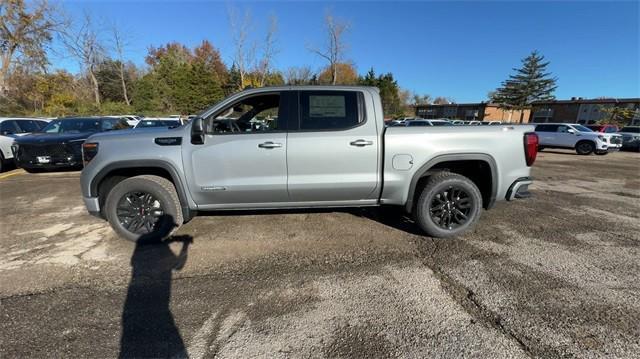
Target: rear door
[(547, 134), (332, 153)]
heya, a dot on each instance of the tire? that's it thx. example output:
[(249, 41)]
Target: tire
[(432, 212), (585, 148), (602, 153), (144, 209), (34, 170)]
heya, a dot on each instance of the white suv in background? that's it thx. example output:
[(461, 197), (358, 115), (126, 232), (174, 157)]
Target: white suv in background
[(10, 128), (577, 137)]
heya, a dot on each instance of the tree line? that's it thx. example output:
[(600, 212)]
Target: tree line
[(175, 78)]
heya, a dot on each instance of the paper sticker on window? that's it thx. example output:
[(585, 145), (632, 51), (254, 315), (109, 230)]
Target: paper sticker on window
[(327, 106)]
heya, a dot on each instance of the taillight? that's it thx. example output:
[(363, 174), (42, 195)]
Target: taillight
[(89, 151), (530, 147)]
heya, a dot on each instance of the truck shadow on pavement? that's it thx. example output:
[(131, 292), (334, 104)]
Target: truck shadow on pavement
[(391, 216), (148, 327)]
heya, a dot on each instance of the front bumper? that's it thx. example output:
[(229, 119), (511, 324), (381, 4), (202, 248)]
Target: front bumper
[(93, 206), (47, 156), (519, 189)]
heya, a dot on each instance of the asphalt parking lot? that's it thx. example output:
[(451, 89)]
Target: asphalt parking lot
[(553, 276)]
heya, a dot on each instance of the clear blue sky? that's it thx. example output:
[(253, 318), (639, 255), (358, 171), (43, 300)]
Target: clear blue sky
[(460, 50)]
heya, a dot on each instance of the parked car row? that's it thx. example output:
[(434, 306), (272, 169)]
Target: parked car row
[(38, 144), (417, 121)]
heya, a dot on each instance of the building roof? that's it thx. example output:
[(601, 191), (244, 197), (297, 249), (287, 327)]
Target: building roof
[(581, 101), (476, 104)]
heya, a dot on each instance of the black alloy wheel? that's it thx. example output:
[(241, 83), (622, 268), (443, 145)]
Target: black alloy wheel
[(448, 205), (451, 207), (585, 148), (139, 212)]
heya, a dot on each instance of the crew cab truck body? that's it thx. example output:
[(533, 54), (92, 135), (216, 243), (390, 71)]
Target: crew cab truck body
[(317, 147)]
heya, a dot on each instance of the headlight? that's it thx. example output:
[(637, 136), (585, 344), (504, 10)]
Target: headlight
[(89, 151)]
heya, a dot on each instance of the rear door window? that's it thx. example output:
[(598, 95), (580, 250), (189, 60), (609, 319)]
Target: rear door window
[(9, 127), (546, 128), (330, 110), (28, 126)]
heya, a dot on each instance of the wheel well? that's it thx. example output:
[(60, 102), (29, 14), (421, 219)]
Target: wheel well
[(478, 171), (590, 141), (118, 175)]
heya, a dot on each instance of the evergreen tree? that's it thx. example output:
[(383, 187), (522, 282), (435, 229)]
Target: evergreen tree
[(530, 83)]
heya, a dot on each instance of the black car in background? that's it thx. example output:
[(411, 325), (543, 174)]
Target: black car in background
[(59, 144)]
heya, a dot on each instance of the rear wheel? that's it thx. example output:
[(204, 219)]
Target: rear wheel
[(448, 205), (144, 208), (585, 147)]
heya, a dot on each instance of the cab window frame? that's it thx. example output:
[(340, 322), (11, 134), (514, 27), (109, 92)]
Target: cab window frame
[(283, 105), (361, 114)]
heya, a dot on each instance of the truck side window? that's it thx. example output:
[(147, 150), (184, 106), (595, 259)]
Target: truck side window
[(252, 114), (329, 110)]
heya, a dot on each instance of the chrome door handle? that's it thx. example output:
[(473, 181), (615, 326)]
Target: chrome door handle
[(270, 144), (361, 143)]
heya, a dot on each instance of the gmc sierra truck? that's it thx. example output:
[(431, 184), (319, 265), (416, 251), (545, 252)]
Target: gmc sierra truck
[(302, 147)]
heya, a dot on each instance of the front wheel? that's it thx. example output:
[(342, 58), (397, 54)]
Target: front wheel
[(448, 205), (585, 148), (144, 208)]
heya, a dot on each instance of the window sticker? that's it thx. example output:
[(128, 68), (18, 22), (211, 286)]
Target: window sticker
[(327, 106)]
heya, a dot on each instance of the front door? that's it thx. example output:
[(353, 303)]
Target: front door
[(242, 162), (332, 153)]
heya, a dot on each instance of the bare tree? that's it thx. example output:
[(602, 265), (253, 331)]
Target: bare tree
[(85, 46), (244, 52), (421, 99), (335, 46), (118, 45), (440, 100), (24, 34), (269, 50), (298, 75)]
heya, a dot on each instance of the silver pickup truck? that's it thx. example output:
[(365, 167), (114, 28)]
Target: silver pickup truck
[(301, 147)]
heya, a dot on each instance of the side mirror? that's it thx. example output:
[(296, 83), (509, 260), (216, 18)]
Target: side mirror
[(571, 131), (197, 131)]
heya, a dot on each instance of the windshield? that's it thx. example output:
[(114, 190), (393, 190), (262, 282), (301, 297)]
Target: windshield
[(72, 126), (631, 129), (581, 128), (146, 123)]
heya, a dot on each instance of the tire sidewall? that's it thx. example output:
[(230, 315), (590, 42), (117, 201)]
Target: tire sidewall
[(140, 185), (424, 217), (584, 153)]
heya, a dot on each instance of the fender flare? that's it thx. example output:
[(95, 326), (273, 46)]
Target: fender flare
[(187, 212), (452, 158)]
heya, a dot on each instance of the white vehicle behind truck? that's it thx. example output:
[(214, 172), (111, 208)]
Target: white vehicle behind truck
[(577, 137)]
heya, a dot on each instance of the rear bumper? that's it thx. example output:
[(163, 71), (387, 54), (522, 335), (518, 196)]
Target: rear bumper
[(519, 189)]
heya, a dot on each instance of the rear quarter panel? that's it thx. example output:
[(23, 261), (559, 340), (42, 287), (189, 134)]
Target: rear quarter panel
[(503, 144)]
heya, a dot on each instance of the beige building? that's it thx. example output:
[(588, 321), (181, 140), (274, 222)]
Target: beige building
[(579, 110), (482, 111)]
